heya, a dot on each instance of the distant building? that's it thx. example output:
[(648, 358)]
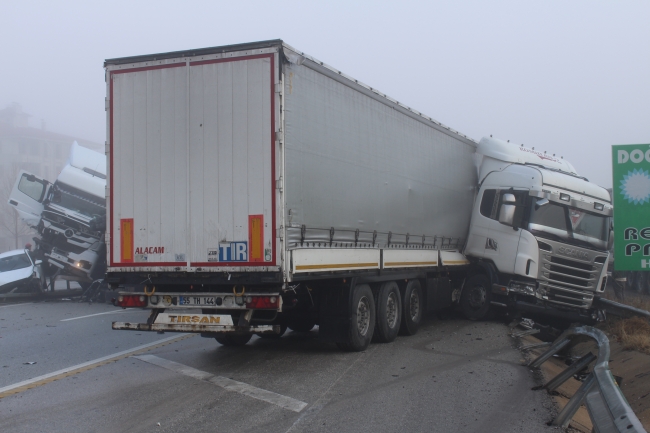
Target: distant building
[(36, 150)]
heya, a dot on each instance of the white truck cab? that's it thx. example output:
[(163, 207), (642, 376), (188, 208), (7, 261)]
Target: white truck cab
[(68, 214), (539, 231)]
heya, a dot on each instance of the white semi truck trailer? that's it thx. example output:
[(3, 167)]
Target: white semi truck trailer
[(253, 188)]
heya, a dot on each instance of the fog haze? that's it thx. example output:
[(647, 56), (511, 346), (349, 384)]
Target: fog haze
[(571, 78)]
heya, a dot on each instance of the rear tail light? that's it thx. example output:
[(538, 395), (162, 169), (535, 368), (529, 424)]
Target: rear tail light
[(262, 301), (131, 301)]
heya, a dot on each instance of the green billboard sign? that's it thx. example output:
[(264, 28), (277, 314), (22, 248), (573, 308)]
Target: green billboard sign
[(631, 190)]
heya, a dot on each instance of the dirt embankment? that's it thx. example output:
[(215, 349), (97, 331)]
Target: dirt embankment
[(630, 356)]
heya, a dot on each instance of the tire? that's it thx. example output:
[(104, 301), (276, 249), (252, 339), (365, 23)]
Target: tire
[(389, 312), (476, 297), (283, 329), (301, 324), (412, 308), (233, 340), (362, 320)]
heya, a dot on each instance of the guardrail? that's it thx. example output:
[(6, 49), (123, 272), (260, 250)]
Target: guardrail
[(618, 309), (608, 409)]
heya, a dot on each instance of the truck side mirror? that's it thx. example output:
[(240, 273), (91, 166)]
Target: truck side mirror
[(507, 211)]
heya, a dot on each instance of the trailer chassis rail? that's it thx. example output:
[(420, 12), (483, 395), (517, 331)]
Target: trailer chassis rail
[(209, 329)]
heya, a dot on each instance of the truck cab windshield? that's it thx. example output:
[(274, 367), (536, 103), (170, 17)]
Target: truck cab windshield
[(562, 222)]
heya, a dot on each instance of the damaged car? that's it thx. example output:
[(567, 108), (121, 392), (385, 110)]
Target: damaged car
[(21, 273)]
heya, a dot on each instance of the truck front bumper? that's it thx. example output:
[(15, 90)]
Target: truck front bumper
[(588, 317)]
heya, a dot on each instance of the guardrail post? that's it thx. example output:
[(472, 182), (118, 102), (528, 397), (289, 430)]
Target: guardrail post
[(570, 371), (564, 417), (555, 348)]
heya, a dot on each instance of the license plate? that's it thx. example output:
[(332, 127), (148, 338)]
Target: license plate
[(197, 300)]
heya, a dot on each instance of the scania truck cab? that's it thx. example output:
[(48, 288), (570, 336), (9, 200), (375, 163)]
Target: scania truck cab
[(69, 214), (539, 235)]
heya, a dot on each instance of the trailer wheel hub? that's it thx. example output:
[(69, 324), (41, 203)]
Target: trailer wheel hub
[(391, 310), (477, 296), (363, 316), (414, 305)]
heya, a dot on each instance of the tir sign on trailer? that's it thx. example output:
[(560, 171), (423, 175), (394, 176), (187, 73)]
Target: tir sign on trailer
[(193, 163)]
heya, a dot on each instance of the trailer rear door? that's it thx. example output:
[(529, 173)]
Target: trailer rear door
[(192, 163)]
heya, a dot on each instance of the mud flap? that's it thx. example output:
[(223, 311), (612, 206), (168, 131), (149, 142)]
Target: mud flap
[(334, 313)]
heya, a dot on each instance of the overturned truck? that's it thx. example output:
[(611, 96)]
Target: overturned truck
[(69, 216)]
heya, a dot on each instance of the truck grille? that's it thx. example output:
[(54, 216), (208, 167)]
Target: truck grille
[(563, 295), (563, 271), (569, 281)]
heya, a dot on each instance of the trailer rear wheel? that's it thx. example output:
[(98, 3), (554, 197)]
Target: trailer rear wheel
[(476, 296), (412, 308), (233, 339), (362, 320), (389, 312)]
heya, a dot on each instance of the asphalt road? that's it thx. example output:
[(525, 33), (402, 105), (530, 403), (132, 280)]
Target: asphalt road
[(454, 375)]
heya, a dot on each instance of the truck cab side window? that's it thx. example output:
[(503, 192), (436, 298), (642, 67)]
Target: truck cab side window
[(488, 208), (31, 187)]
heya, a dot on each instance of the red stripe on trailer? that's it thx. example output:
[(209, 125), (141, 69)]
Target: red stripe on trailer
[(234, 59), (273, 149), (149, 68)]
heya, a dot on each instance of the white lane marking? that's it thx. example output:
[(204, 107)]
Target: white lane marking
[(259, 393), (15, 305), (228, 384), (99, 314), (86, 364)]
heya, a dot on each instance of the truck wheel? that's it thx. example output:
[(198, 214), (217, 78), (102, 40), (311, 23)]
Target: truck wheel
[(412, 308), (476, 296), (362, 320), (301, 324), (389, 312), (233, 339)]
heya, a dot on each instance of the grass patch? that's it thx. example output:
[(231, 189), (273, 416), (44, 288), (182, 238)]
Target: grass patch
[(632, 333)]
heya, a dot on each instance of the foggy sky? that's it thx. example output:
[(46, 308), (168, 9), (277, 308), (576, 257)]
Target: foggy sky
[(571, 78)]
